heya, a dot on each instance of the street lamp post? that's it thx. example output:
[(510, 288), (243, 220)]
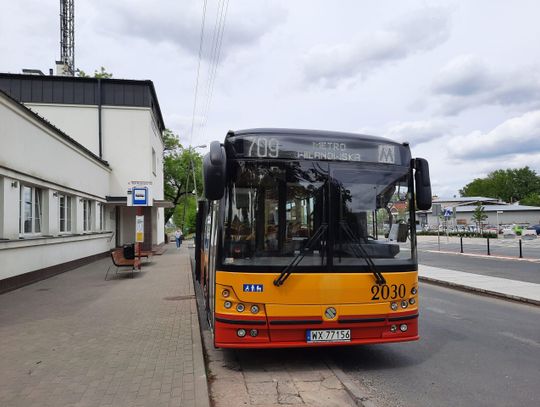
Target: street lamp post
[(187, 183), (193, 168)]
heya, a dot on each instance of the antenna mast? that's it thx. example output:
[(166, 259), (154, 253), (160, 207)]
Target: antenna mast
[(66, 65)]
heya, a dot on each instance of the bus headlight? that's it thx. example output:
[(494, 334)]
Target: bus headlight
[(403, 327), (227, 304), (225, 293), (412, 301), (254, 333), (404, 304), (254, 309), (414, 291), (241, 332), (394, 306), (240, 307), (393, 328)]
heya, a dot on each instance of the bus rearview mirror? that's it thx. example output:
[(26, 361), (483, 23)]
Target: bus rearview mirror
[(423, 184), (214, 166)]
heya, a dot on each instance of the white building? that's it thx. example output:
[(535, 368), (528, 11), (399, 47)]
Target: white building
[(69, 148), (498, 212)]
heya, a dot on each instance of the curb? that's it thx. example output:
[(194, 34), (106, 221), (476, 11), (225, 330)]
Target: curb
[(490, 293), (485, 256), (359, 397), (202, 396)]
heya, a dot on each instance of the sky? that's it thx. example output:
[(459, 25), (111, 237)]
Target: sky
[(458, 80)]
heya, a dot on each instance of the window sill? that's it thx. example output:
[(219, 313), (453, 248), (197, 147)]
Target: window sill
[(50, 240)]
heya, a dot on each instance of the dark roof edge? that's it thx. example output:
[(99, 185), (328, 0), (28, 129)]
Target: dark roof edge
[(55, 129), (59, 78)]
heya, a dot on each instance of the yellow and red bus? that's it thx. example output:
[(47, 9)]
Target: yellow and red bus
[(307, 238)]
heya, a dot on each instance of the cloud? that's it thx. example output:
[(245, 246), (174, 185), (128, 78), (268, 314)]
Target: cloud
[(332, 65), (179, 22), (418, 132), (519, 135), (466, 82)]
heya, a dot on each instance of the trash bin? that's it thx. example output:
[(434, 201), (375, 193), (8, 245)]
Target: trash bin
[(129, 251)]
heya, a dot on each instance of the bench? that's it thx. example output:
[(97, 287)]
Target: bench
[(119, 260)]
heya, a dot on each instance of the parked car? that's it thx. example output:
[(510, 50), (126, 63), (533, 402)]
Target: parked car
[(536, 228), (528, 234)]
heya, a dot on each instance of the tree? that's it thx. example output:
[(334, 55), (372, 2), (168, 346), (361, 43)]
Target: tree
[(533, 199), (510, 185), (102, 73), (479, 216), (179, 166)]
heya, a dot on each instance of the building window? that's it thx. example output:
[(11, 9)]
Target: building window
[(64, 202), (154, 162), (30, 210), (87, 215), (101, 209)]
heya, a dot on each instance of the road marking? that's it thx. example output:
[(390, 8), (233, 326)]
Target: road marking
[(520, 339)]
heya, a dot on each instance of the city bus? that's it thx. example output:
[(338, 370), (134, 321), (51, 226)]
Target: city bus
[(308, 238)]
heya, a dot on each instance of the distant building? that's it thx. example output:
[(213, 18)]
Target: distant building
[(498, 212), (69, 148)]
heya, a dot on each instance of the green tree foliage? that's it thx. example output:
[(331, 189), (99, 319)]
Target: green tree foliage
[(479, 216), (179, 166), (533, 199), (510, 185), (102, 73)]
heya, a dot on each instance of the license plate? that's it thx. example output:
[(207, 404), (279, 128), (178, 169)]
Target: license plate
[(328, 335)]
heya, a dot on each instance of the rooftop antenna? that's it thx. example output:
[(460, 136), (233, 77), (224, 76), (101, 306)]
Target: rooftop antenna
[(66, 65)]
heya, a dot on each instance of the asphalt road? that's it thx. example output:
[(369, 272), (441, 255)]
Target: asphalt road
[(489, 266), (473, 351), (530, 249)]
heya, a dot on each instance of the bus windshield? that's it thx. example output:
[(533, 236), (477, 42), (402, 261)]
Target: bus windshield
[(335, 214)]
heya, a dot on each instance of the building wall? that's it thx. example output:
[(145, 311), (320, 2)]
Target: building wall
[(36, 156), (505, 218), (80, 122), (19, 257), (36, 151)]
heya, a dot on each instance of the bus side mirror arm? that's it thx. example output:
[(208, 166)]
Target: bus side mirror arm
[(214, 167), (422, 184)]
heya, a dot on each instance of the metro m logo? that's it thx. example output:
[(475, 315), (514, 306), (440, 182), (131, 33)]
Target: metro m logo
[(387, 154)]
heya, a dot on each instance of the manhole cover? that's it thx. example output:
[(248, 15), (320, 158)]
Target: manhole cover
[(180, 298)]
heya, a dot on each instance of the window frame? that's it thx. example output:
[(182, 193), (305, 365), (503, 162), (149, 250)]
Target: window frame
[(87, 215), (36, 211), (65, 214)]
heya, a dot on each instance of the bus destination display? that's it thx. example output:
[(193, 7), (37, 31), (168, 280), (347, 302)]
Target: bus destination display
[(298, 148)]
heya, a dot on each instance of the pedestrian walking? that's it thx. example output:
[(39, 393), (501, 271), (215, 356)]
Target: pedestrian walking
[(178, 236)]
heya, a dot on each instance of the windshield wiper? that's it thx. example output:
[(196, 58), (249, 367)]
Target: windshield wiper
[(357, 247), (298, 258)]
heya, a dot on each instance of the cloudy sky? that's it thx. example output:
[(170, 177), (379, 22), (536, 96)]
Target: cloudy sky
[(459, 80)]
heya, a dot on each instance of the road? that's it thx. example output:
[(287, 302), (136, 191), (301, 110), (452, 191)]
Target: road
[(474, 351), (530, 249), (490, 266)]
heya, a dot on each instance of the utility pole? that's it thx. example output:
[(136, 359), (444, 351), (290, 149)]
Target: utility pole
[(66, 65)]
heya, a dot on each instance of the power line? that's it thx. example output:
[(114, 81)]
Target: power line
[(201, 40), (218, 54), (217, 37)]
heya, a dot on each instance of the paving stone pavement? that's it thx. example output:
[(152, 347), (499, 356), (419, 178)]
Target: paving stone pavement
[(77, 340), (273, 378)]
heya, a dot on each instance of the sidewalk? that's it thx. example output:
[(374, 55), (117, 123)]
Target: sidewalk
[(499, 287), (77, 340)]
